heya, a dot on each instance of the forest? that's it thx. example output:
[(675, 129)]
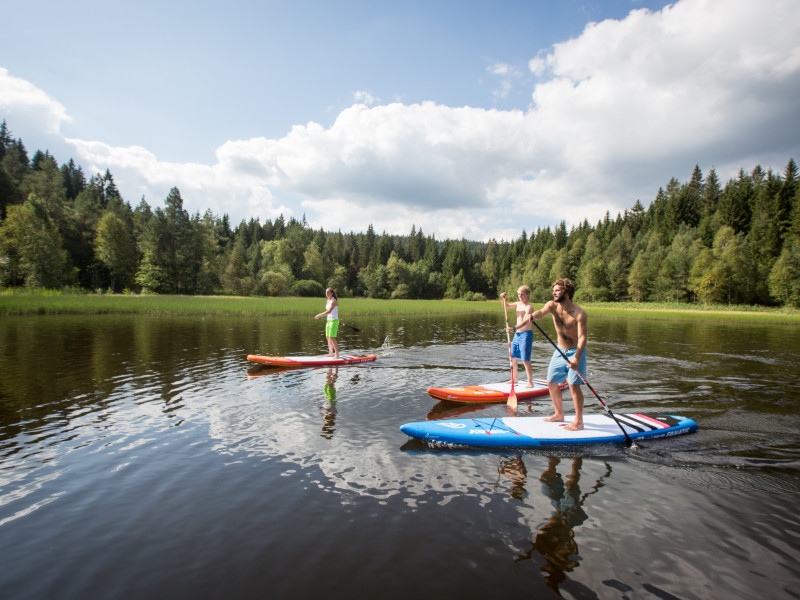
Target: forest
[(701, 241)]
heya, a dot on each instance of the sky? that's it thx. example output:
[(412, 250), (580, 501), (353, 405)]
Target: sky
[(463, 118)]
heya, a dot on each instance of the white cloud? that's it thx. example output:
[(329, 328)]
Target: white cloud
[(617, 111), (503, 70), (364, 97), (703, 77), (508, 76), (25, 104), (229, 187)]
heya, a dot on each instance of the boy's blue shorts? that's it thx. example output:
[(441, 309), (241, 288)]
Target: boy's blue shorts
[(521, 345)]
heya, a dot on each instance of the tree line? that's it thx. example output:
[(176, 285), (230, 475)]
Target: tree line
[(698, 241)]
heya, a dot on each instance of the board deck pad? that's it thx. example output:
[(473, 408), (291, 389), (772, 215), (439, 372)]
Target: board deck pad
[(524, 432), (311, 361), (492, 392)]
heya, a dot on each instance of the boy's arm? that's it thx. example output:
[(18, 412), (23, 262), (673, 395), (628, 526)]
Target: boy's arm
[(507, 304)]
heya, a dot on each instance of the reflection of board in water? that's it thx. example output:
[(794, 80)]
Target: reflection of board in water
[(444, 409)]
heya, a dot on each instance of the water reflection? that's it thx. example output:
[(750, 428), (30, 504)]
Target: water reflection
[(514, 468), (445, 409), (555, 540), (261, 370), (329, 407), (91, 455)]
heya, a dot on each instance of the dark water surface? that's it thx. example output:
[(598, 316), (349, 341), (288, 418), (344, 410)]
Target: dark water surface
[(144, 457)]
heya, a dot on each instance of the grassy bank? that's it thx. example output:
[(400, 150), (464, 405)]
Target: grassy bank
[(54, 303), (696, 312), (21, 302)]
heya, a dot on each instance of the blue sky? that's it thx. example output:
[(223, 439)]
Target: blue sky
[(467, 119)]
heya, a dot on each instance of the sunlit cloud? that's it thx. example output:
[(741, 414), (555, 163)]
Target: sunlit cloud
[(23, 103)]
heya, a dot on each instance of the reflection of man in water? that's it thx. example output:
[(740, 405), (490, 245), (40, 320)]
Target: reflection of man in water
[(556, 538), (555, 541), (329, 409)]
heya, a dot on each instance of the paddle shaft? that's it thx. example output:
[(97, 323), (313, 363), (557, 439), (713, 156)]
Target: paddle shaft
[(628, 440), (349, 326), (512, 397)]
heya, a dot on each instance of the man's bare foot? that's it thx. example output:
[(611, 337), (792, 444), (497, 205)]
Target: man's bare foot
[(530, 384), (574, 426), (554, 418)]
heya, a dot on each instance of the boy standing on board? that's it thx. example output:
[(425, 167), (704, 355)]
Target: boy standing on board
[(523, 333), (570, 322)]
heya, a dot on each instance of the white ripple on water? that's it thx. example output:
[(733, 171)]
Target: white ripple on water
[(30, 509), (26, 488)]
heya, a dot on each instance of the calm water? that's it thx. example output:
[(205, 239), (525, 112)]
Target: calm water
[(146, 458)]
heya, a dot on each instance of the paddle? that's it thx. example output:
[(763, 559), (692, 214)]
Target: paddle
[(628, 441), (350, 326), (512, 397)]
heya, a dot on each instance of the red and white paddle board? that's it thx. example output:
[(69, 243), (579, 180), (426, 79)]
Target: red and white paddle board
[(311, 361), (492, 392)]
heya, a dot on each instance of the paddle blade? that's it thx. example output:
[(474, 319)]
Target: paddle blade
[(512, 399)]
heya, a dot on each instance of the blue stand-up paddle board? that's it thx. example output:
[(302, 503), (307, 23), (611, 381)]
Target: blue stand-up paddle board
[(535, 432)]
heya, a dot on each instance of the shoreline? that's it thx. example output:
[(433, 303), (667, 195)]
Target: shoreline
[(17, 303)]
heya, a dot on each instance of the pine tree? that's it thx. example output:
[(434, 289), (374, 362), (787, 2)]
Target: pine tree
[(786, 196), (6, 138)]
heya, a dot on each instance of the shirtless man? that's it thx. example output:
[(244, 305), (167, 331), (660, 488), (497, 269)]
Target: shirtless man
[(570, 322), (523, 333)]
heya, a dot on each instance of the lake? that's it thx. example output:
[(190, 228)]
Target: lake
[(145, 457)]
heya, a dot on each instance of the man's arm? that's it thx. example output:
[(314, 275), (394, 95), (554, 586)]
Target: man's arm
[(581, 341), (547, 308)]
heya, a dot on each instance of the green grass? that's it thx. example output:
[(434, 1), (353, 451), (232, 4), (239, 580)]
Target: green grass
[(32, 302), (698, 312), (17, 303)]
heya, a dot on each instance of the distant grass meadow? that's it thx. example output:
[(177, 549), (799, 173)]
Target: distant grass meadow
[(41, 302)]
